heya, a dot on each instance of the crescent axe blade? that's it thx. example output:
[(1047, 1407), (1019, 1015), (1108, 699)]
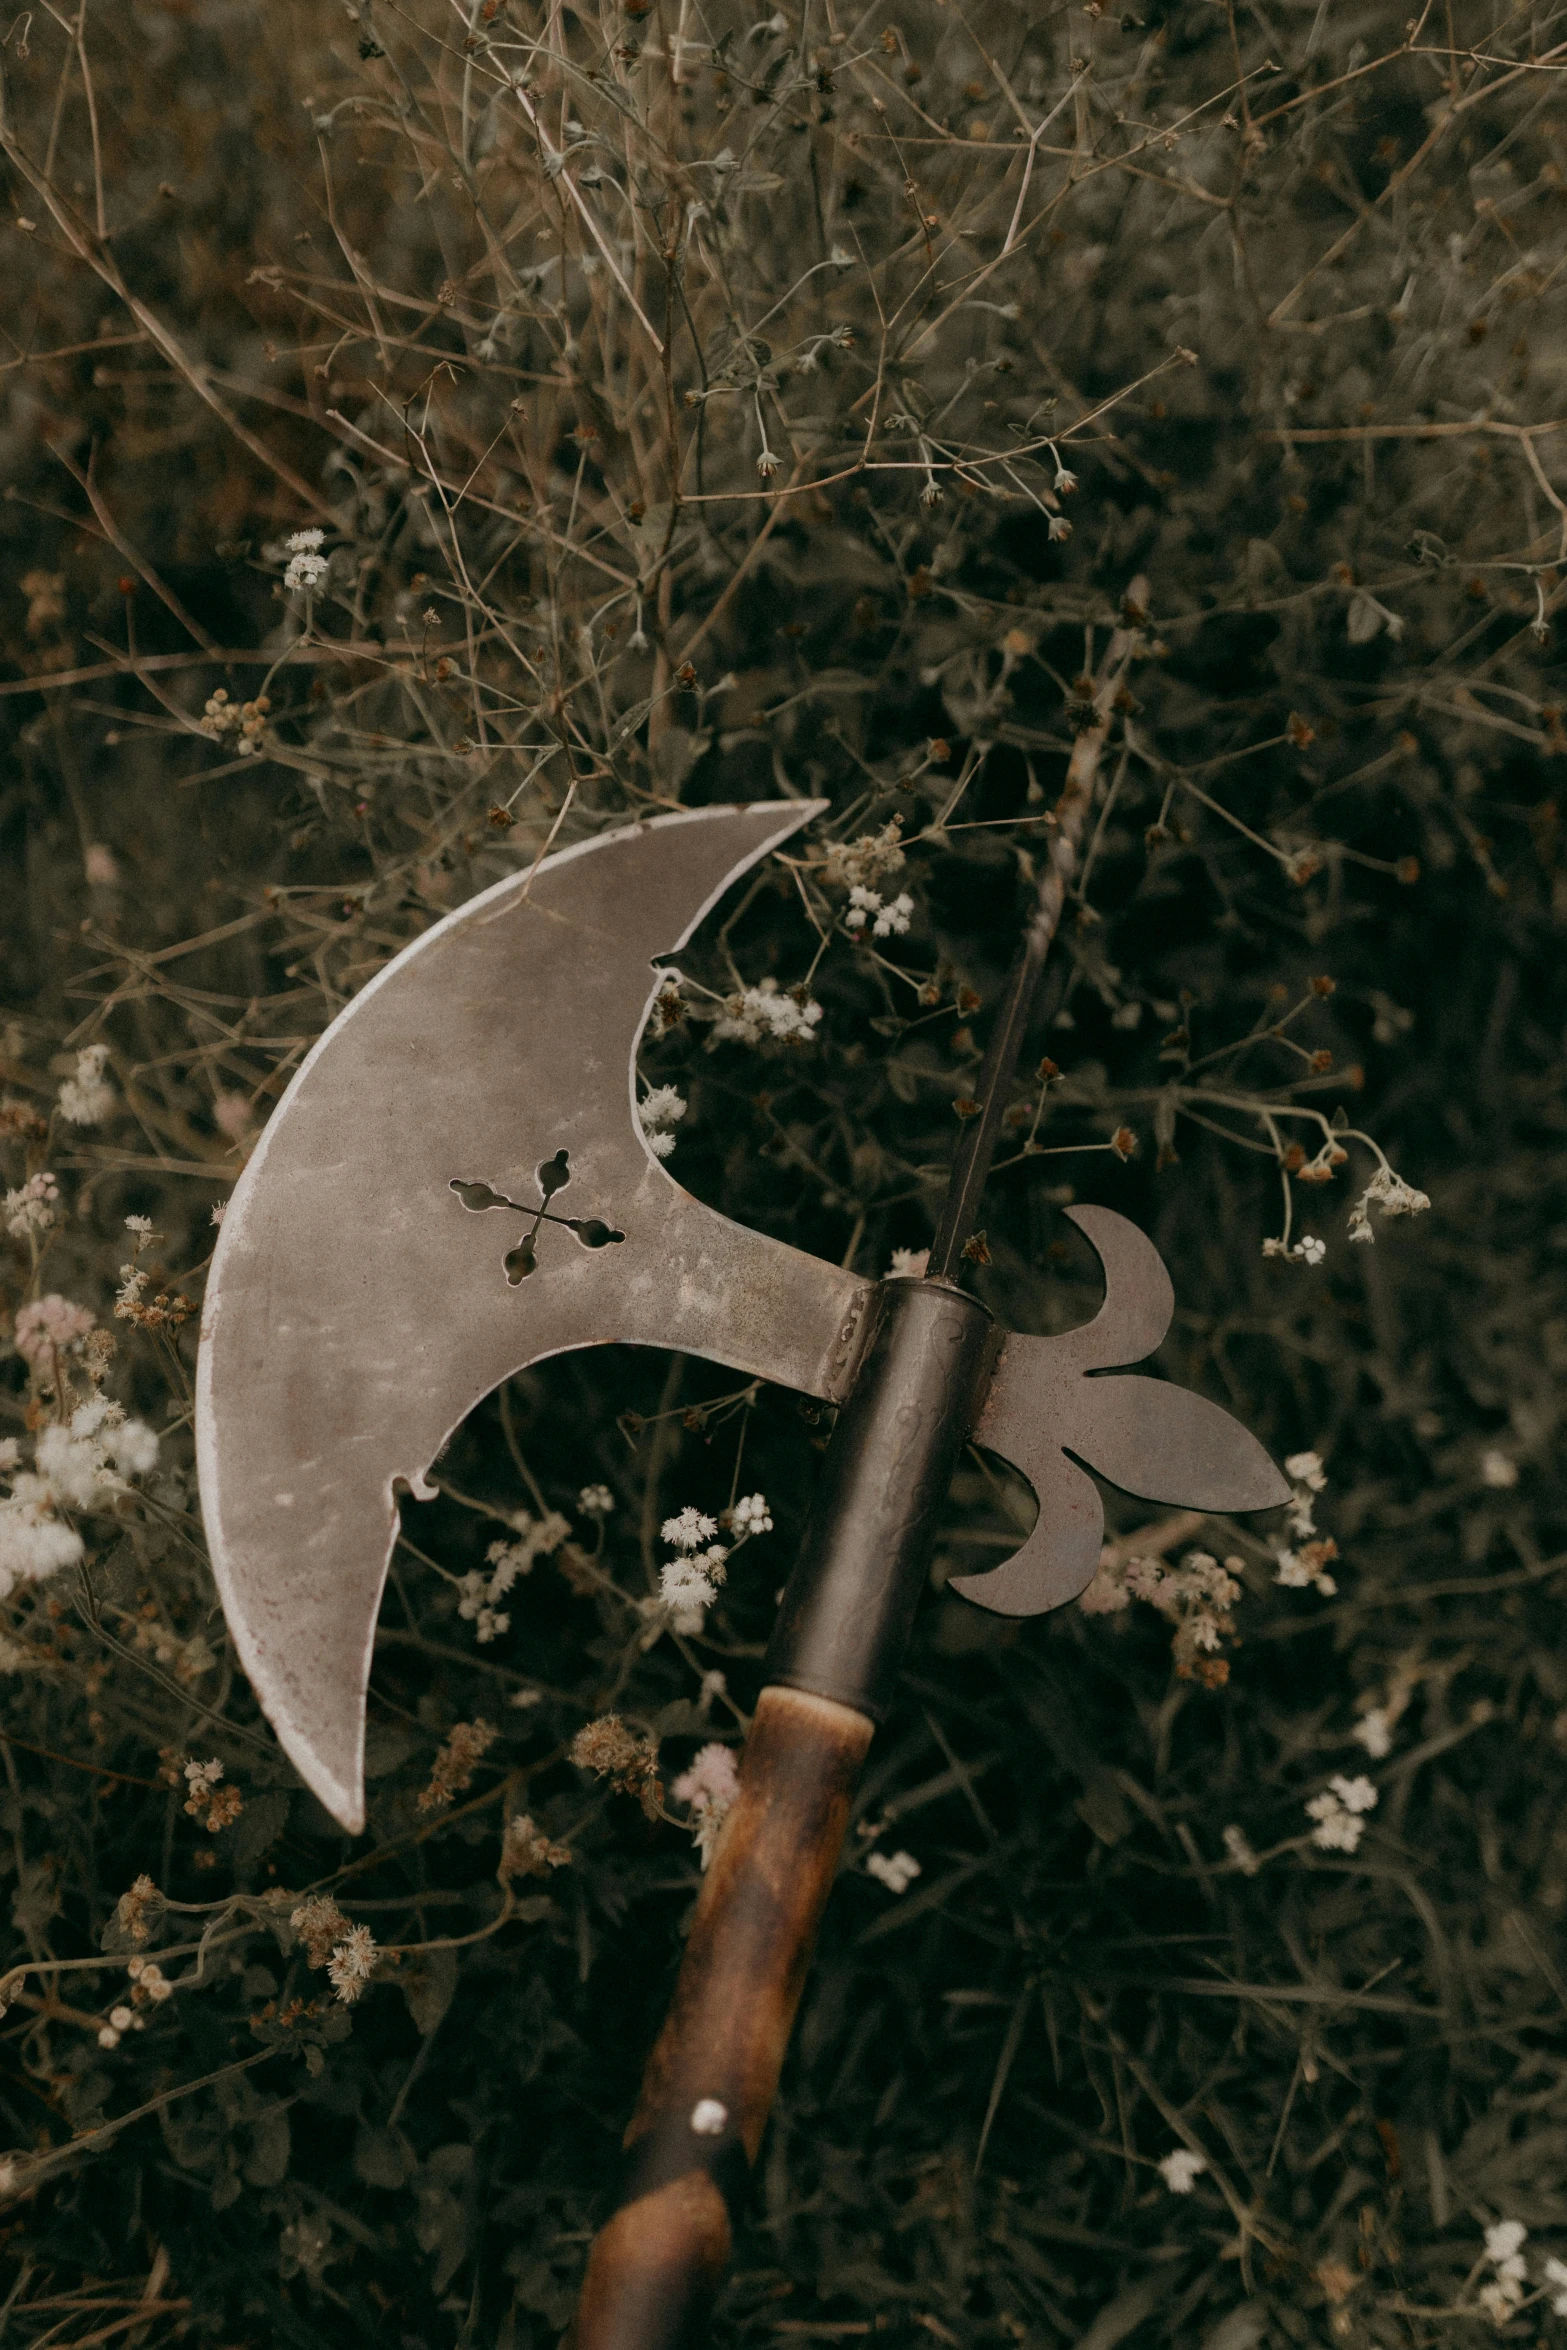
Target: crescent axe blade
[(359, 1308)]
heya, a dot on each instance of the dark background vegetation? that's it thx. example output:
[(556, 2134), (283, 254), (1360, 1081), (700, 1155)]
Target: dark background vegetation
[(312, 266)]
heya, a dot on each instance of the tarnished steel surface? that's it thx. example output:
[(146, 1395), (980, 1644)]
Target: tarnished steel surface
[(359, 1307), (847, 1608), (657, 2263), (1145, 1435)]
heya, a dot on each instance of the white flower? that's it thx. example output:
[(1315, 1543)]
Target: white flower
[(908, 1264), (31, 1208), (767, 1014), (663, 1108), (689, 1530), (48, 1327), (1502, 2296), (1337, 1813), (894, 919), (863, 903), (751, 1515), (687, 1587), (34, 1543), (1181, 2170), (202, 1777), (1306, 1469), (1308, 1250), (474, 1607), (478, 1593), (1374, 1732), (141, 1225), (1555, 2273), (83, 1466), (304, 542), (766, 463), (596, 1501), (352, 1963), (708, 2117), (108, 2037), (1058, 527), (897, 1873), (85, 1100), (305, 571), (1392, 1195), (1498, 1470), (1066, 482)]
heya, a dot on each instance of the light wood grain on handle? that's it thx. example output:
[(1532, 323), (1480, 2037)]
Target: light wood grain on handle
[(659, 2261)]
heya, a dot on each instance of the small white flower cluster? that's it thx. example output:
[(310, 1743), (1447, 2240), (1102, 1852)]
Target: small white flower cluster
[(479, 1594), (1392, 1195), (857, 864), (595, 1501), (1306, 1568), (688, 1585), (751, 1515), (1503, 2292), (1338, 1812), (150, 1987), (1181, 2170), (709, 1787), (1556, 2277), (352, 1963), (1196, 1597), (896, 1871), (659, 1111), (887, 918), (51, 1329), (348, 1953), (1308, 1250), (768, 1014), (85, 1099), (1498, 1470), (307, 564), (908, 1264), (79, 1465), (32, 1208)]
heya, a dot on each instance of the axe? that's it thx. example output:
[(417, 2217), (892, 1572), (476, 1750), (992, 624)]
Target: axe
[(456, 1185)]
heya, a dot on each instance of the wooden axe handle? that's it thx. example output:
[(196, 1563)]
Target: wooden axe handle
[(658, 2262)]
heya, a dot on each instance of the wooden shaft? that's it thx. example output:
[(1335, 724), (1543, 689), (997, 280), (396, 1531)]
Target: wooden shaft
[(658, 2262)]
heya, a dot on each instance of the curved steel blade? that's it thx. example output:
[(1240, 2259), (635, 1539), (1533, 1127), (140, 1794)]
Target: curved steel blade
[(375, 1277), (1149, 1437)]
